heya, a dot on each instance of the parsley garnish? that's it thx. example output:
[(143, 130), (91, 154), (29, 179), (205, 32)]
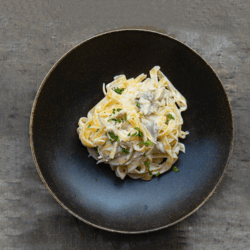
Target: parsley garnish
[(113, 111), (129, 134), (146, 143), (97, 130), (138, 104), (134, 134), (125, 118), (148, 164), (118, 91), (97, 151), (112, 120), (119, 110), (157, 174), (170, 117), (140, 134), (175, 169), (124, 150), (96, 179), (111, 141), (119, 120), (144, 155), (89, 126), (113, 136)]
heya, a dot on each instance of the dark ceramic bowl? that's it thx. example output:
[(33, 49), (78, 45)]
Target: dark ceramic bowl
[(74, 85)]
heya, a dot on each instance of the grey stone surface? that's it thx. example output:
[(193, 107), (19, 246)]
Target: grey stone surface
[(34, 34)]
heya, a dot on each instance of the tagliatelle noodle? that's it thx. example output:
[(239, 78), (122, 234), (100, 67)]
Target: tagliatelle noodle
[(136, 127)]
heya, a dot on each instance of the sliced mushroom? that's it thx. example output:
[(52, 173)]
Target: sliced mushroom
[(145, 105), (93, 153), (154, 108), (152, 128)]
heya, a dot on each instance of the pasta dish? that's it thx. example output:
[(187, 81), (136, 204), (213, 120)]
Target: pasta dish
[(136, 127)]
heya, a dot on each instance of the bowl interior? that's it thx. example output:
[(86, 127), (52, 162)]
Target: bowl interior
[(74, 86)]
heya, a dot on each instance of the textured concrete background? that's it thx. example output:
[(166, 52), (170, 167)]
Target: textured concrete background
[(34, 34)]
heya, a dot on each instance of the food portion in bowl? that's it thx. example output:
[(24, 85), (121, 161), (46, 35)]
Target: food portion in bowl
[(136, 127)]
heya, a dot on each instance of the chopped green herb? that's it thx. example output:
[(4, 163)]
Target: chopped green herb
[(144, 155), (119, 127), (148, 164), (111, 141), (170, 117), (119, 120), (142, 114), (157, 174), (140, 134), (134, 134), (113, 111), (118, 110), (97, 130), (149, 143), (124, 150), (175, 169), (118, 91), (125, 118), (89, 126), (113, 136), (129, 134), (146, 143), (97, 151), (137, 104), (133, 118), (112, 120), (96, 179)]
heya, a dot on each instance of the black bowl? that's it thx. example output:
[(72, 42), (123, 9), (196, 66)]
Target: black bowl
[(74, 85)]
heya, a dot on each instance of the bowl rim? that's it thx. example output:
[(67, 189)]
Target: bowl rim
[(37, 165)]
